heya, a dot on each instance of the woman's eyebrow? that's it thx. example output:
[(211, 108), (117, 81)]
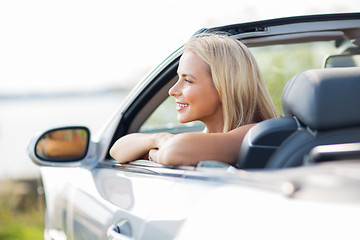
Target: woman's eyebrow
[(186, 75)]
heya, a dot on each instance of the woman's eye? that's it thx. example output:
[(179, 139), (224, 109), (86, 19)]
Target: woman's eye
[(188, 80)]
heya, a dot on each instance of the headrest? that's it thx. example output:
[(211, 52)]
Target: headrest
[(324, 99)]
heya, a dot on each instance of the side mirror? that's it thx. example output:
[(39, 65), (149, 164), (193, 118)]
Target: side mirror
[(60, 145)]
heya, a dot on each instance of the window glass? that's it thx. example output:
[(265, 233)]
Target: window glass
[(164, 118)]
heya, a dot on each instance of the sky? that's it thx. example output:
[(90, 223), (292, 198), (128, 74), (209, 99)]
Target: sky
[(80, 45)]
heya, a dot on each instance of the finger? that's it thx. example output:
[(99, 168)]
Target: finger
[(152, 155)]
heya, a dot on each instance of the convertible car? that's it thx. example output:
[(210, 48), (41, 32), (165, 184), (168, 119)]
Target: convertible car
[(297, 176)]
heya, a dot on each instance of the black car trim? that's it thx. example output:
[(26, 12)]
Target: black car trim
[(259, 26)]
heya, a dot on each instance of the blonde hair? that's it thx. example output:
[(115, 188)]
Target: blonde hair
[(236, 77)]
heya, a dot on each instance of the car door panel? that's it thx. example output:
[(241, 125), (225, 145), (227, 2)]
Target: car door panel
[(120, 195)]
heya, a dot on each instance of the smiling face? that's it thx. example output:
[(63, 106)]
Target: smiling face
[(196, 96)]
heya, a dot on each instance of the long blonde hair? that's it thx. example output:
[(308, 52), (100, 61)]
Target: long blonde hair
[(236, 77)]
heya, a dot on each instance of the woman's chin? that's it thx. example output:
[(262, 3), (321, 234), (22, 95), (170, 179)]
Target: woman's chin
[(183, 120)]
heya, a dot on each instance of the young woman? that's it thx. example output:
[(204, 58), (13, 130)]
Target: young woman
[(219, 84)]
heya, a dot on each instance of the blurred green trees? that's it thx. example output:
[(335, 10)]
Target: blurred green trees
[(280, 63)]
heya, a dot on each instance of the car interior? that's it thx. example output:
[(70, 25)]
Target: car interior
[(319, 107)]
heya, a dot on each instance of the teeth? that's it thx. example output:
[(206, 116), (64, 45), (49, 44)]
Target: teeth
[(182, 105)]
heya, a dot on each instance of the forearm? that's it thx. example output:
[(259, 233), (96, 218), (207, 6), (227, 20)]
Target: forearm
[(190, 148), (180, 150), (132, 147)]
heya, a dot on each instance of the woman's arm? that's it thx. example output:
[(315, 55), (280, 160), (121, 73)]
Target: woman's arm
[(180, 149), (190, 148), (136, 145)]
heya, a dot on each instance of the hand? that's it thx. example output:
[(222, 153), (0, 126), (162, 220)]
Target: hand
[(152, 154), (162, 138)]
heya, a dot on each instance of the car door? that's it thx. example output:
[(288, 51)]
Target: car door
[(112, 200)]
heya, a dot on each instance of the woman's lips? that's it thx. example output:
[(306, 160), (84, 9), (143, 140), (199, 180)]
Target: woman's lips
[(181, 106)]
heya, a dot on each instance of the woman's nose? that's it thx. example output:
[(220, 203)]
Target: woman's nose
[(175, 90)]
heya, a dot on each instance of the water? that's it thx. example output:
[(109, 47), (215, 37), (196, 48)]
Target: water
[(21, 119)]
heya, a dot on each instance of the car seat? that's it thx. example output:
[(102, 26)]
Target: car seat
[(263, 139), (321, 107)]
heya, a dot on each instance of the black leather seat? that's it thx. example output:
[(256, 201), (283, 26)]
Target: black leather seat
[(263, 140), (321, 106)]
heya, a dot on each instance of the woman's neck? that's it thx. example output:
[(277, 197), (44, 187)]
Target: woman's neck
[(215, 123), (214, 128)]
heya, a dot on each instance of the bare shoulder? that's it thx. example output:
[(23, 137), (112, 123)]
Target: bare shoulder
[(241, 131)]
